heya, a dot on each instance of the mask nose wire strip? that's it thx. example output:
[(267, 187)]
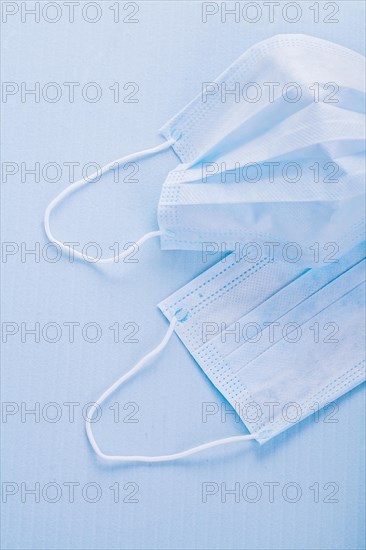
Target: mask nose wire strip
[(163, 458), (74, 186)]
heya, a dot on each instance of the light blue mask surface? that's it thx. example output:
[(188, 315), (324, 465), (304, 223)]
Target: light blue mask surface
[(272, 150), (277, 341)]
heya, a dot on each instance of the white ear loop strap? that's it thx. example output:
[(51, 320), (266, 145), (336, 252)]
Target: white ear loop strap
[(71, 188), (138, 458)]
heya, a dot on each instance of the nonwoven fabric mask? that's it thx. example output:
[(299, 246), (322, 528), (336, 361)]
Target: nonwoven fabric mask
[(272, 151), (279, 342)]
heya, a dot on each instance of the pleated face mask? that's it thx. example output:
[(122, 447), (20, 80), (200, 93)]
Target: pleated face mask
[(271, 152), (278, 342)]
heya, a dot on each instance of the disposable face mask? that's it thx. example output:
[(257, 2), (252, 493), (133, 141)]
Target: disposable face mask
[(271, 152), (278, 342)]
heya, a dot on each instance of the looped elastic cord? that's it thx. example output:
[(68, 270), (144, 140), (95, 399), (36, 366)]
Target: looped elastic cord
[(138, 458), (74, 186)]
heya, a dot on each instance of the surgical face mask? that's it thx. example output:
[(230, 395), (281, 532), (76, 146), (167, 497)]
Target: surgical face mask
[(271, 152), (278, 342)]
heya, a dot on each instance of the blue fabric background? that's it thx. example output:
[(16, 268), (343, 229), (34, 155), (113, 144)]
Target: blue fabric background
[(168, 53)]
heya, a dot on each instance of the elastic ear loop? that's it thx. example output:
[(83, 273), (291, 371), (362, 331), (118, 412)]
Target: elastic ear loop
[(74, 186), (162, 458)]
